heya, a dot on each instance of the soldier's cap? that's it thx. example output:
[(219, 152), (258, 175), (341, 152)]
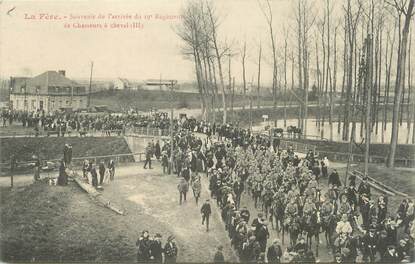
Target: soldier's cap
[(220, 247), (372, 229), (207, 200), (158, 235), (391, 247), (260, 215), (145, 231), (170, 238)]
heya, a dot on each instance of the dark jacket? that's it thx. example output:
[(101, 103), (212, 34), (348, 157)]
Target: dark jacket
[(206, 210), (156, 251), (218, 258), (274, 254)]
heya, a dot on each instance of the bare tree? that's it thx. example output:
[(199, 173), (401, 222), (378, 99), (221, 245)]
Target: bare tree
[(269, 18), (243, 59), (352, 21), (214, 24), (406, 10), (259, 77)]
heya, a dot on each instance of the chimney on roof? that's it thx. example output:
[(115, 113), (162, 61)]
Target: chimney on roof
[(62, 72)]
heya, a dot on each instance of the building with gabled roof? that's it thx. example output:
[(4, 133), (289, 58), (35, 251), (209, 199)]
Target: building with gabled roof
[(49, 91)]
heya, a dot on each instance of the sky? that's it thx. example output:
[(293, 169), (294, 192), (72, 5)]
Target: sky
[(53, 40), (29, 47)]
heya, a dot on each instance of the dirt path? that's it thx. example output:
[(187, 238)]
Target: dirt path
[(150, 193)]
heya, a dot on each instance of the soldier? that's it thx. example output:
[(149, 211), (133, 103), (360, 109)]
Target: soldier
[(183, 188), (170, 251), (111, 168), (309, 207), (196, 187), (291, 212), (149, 154), (206, 211), (344, 207)]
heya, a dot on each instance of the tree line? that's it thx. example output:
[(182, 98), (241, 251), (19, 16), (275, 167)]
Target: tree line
[(355, 55)]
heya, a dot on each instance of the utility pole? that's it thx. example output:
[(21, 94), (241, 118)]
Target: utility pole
[(250, 106), (90, 85), (368, 102), (172, 82)]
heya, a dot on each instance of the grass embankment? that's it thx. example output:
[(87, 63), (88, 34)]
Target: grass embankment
[(52, 147), (53, 223), (398, 178)]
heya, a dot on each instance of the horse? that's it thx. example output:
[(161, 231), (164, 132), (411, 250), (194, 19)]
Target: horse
[(311, 227), (277, 212), (293, 226), (328, 226), (266, 202)]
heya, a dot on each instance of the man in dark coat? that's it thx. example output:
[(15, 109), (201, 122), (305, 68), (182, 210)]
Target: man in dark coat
[(334, 179), (262, 235), (63, 177), (156, 250), (101, 171), (364, 189), (238, 188), (94, 176), (369, 245), (206, 211), (157, 150), (274, 252)]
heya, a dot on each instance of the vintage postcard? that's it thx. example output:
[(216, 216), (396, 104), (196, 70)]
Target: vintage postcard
[(207, 131)]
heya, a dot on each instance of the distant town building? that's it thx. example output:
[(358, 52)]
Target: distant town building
[(122, 84), (48, 91), (158, 85)]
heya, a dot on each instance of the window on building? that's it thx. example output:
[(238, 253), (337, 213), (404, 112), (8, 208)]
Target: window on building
[(67, 102), (25, 104), (80, 103), (33, 104), (17, 104), (11, 104), (52, 104), (60, 103)]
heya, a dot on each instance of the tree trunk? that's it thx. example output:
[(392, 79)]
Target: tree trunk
[(398, 84)]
